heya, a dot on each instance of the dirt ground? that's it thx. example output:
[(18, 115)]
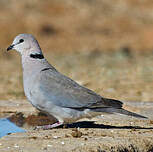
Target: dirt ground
[(104, 45), (104, 133)]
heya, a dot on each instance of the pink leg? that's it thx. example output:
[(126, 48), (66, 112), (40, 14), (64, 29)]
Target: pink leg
[(45, 127)]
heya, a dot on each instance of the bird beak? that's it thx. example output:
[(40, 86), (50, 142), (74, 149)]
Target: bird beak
[(10, 47)]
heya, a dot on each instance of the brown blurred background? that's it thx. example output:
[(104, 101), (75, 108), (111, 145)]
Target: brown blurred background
[(105, 45)]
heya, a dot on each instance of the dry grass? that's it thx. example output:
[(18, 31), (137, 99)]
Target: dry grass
[(79, 25)]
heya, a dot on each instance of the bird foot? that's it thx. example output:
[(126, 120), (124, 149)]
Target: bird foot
[(46, 127)]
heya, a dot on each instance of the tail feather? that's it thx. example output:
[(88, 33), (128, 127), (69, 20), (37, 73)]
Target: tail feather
[(126, 112), (119, 110)]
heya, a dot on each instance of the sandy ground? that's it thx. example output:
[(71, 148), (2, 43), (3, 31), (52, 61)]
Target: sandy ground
[(105, 133)]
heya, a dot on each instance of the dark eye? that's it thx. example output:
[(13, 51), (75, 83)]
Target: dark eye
[(21, 40)]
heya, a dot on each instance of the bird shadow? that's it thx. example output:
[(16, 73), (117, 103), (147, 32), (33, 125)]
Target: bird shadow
[(91, 124)]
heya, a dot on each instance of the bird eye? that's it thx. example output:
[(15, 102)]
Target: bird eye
[(21, 40)]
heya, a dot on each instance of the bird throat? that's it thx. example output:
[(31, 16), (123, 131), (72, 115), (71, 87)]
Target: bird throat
[(37, 56)]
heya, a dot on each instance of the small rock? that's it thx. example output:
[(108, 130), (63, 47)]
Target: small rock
[(55, 137), (151, 121), (76, 134), (82, 144), (62, 143), (16, 146), (85, 138)]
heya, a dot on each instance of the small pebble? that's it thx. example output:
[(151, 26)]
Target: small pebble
[(62, 143), (78, 128), (55, 137), (44, 148), (16, 146), (85, 138), (82, 144), (76, 134), (49, 145)]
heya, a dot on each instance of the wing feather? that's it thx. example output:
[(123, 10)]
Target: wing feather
[(63, 91)]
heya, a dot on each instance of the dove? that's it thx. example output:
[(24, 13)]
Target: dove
[(56, 94)]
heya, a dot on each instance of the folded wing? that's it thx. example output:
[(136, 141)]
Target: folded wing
[(63, 91)]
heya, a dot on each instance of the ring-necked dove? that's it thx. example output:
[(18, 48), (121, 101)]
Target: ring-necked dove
[(54, 93)]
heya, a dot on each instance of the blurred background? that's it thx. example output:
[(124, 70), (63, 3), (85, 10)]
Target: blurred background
[(105, 45)]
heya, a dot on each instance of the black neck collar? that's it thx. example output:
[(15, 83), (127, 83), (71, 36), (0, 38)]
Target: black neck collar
[(37, 56)]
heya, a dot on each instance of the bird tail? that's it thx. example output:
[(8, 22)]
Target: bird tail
[(119, 110), (126, 112)]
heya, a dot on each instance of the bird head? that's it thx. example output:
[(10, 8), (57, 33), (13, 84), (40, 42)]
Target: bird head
[(25, 43)]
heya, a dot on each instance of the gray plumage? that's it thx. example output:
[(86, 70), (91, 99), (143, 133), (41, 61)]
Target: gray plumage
[(57, 95)]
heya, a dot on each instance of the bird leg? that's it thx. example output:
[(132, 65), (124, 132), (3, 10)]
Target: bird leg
[(46, 127)]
